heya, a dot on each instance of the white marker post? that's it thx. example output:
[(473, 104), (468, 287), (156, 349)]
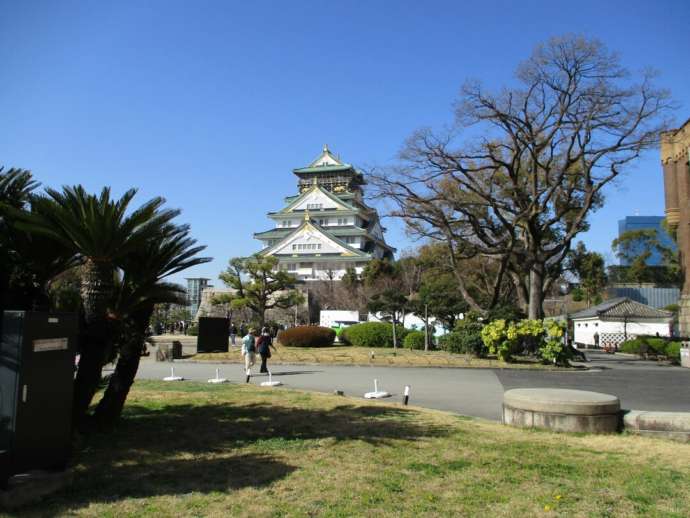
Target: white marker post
[(270, 382), (218, 379), (406, 396), (172, 376), (377, 394)]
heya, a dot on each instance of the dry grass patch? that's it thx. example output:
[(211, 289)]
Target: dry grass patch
[(192, 449), (346, 355)]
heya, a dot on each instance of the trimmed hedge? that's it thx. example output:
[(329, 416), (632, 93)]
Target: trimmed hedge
[(673, 351), (307, 336), (415, 340), (652, 345), (373, 334), (644, 345)]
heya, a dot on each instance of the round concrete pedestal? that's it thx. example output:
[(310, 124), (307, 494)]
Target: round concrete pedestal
[(562, 410)]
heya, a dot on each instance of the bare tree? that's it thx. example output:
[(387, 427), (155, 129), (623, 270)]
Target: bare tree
[(516, 177)]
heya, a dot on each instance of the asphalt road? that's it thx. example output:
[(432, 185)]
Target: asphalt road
[(640, 385)]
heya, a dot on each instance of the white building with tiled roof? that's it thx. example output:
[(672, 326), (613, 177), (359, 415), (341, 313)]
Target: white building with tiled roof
[(327, 227), (616, 320)]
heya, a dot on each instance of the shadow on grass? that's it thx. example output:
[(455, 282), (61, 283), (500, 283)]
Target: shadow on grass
[(180, 448)]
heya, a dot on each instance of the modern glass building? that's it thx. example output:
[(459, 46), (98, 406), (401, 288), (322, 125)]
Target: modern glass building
[(195, 286), (642, 223)]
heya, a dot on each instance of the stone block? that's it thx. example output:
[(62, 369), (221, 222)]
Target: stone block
[(671, 425), (168, 352), (562, 410)]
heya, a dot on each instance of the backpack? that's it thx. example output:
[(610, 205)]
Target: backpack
[(263, 343)]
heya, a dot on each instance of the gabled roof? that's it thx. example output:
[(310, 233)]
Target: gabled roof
[(326, 158), (325, 192), (307, 224), (621, 307)]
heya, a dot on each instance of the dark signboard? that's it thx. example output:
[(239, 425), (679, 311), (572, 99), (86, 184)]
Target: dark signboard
[(213, 335)]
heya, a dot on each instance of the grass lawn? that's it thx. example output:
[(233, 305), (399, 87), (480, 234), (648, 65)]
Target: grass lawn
[(190, 449), (346, 355)]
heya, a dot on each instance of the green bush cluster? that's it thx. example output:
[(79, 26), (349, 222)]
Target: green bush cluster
[(373, 334), (543, 338), (415, 340), (307, 336), (642, 345), (465, 339), (193, 330)]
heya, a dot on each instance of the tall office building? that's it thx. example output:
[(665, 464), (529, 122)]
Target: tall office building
[(646, 223), (195, 286)]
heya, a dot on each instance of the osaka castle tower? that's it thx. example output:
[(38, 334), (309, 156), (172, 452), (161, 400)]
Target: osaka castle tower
[(326, 228)]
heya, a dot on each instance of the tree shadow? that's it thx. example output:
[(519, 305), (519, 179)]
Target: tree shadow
[(178, 449)]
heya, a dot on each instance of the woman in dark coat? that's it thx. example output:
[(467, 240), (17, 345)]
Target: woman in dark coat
[(264, 343)]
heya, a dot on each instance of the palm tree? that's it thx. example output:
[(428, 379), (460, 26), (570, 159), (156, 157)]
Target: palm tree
[(139, 288), (102, 232), (16, 185), (26, 264)]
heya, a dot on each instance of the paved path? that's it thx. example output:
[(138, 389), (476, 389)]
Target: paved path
[(476, 392)]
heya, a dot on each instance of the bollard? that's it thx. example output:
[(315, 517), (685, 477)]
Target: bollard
[(270, 382), (406, 396), (377, 394), (218, 379), (172, 376)]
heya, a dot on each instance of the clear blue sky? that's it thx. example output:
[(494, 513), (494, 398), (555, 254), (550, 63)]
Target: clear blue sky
[(211, 104)]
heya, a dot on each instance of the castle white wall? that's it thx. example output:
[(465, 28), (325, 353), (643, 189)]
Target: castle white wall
[(584, 329)]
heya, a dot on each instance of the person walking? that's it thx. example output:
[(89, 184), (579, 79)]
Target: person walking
[(249, 350), (264, 343), (233, 334)]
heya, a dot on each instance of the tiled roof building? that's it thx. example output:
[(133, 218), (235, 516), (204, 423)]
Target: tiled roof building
[(327, 227)]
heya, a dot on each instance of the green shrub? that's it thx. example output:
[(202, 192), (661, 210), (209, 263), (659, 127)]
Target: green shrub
[(450, 342), (466, 339), (415, 340), (632, 346), (373, 334), (642, 345), (193, 330), (541, 338), (307, 336), (673, 351)]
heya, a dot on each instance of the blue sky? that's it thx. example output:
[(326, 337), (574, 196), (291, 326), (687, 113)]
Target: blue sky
[(211, 104)]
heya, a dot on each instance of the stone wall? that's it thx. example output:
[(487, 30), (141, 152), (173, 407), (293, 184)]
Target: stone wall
[(675, 153)]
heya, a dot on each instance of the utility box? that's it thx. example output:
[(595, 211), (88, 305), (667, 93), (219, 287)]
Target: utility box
[(685, 355), (37, 353), (214, 335)]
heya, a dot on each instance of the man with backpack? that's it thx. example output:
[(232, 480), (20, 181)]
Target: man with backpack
[(249, 350)]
